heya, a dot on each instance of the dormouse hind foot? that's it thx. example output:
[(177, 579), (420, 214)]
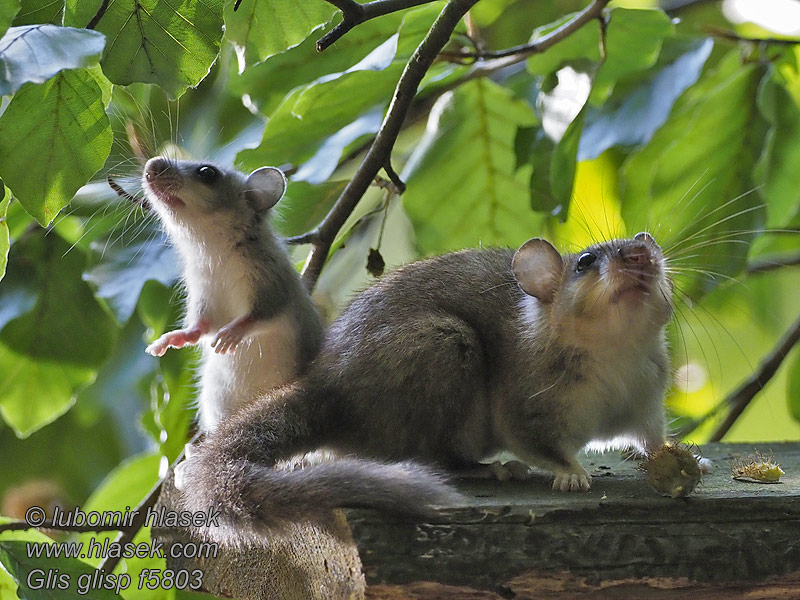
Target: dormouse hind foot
[(573, 479), (179, 472), (177, 339)]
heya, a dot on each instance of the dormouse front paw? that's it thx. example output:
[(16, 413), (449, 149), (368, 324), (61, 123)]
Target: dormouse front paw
[(576, 479), (230, 336), (226, 341), (173, 339), (177, 339)]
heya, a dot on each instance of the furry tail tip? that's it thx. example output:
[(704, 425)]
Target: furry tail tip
[(255, 501)]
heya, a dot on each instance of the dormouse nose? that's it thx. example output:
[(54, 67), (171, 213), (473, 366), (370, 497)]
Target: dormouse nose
[(156, 167), (637, 254)]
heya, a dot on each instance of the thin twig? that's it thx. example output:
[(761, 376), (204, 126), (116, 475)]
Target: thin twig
[(741, 397), (399, 184), (498, 59), (735, 37), (98, 15), (379, 152), (312, 237), (354, 14), (771, 264), (126, 535)]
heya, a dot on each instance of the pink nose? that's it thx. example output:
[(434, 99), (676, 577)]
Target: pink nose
[(156, 167), (635, 255)]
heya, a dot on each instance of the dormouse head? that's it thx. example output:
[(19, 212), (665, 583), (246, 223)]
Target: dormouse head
[(614, 292), (188, 193)]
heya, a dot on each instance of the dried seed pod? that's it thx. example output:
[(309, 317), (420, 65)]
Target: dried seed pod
[(757, 468), (673, 470)]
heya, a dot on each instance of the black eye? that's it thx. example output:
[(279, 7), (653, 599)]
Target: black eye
[(207, 173), (585, 261)]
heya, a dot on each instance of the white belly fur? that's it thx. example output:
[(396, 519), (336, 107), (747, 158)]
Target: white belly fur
[(263, 361)]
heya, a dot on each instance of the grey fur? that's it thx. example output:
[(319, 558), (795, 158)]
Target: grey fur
[(447, 361), (234, 268)]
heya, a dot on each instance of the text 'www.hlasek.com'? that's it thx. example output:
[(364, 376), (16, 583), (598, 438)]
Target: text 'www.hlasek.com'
[(104, 548)]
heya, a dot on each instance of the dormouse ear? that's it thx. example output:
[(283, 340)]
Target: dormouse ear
[(537, 267), (265, 186)]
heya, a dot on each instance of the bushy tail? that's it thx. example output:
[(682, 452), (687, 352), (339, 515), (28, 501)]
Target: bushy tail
[(233, 473)]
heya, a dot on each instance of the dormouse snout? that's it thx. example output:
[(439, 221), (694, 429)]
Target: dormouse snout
[(162, 180), (155, 168)]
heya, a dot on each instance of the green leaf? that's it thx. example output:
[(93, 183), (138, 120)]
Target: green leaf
[(793, 385), (172, 44), (35, 392), (35, 53), (78, 13), (66, 325), (4, 237), (538, 151), (637, 115), (72, 572), (127, 485), (268, 82), (633, 41), (777, 168), (171, 400), (8, 8), (308, 115), (40, 11), (158, 307), (121, 389), (305, 205), (562, 165), (325, 106), (125, 267), (464, 189), (486, 13), (267, 27), (53, 137), (693, 180)]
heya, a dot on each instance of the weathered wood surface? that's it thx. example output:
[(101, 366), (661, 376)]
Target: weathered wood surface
[(620, 540)]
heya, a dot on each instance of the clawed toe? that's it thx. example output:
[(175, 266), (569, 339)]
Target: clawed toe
[(572, 482)]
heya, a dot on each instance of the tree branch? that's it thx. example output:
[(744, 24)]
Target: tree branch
[(380, 151), (741, 397), (98, 15), (735, 37), (771, 264), (354, 14)]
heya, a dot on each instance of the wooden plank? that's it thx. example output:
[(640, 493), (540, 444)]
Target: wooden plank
[(619, 534)]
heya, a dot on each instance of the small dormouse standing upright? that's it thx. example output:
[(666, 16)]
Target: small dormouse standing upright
[(243, 294), (447, 361)]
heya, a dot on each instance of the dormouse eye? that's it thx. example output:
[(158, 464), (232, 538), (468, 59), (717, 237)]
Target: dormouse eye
[(207, 173), (585, 261)]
